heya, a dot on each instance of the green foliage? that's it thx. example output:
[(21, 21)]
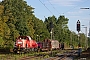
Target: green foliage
[(1, 42), (18, 13), (41, 31), (59, 27), (88, 41)]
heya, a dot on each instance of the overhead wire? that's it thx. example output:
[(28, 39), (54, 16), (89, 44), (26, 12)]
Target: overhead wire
[(56, 9), (46, 7), (53, 6), (75, 7)]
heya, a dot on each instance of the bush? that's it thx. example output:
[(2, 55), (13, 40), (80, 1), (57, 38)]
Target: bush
[(1, 42)]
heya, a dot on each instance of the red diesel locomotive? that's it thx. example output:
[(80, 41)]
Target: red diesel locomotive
[(25, 44)]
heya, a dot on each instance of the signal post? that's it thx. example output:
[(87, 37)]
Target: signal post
[(78, 29), (79, 45)]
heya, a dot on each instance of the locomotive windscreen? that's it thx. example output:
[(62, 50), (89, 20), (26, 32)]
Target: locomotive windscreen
[(23, 37)]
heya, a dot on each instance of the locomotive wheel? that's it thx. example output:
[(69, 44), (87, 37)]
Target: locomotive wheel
[(38, 49), (32, 49), (35, 49), (15, 51), (50, 49), (27, 50)]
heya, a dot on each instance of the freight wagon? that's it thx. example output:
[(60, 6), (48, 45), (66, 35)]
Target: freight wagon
[(48, 44)]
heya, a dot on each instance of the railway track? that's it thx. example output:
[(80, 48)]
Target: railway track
[(50, 58), (50, 55), (44, 56)]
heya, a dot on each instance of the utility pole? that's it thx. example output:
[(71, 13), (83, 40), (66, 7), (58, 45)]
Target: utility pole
[(51, 27), (87, 8), (86, 41), (51, 34)]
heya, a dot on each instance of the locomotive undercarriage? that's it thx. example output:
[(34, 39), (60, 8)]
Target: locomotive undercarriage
[(24, 50)]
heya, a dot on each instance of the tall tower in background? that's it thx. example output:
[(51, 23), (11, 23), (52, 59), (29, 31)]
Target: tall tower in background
[(89, 30)]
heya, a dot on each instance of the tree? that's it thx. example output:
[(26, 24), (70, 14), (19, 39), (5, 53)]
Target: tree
[(1, 22), (62, 27), (41, 31), (50, 22), (18, 13), (15, 16)]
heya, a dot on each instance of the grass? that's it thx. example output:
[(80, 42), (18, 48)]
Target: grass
[(19, 56)]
